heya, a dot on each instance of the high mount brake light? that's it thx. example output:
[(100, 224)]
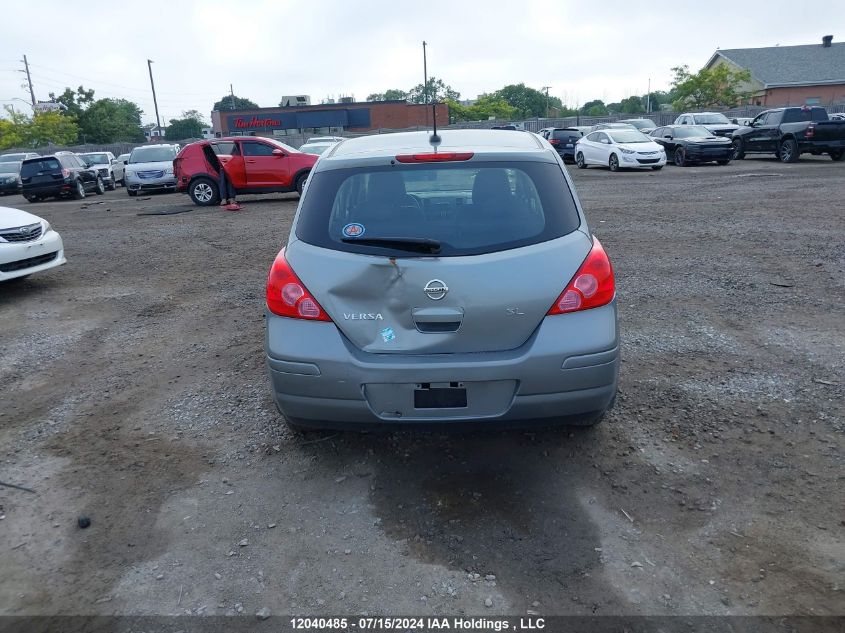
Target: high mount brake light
[(434, 157), (592, 286), (287, 296)]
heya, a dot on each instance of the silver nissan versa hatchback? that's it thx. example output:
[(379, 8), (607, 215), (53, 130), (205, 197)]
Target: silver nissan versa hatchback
[(441, 282)]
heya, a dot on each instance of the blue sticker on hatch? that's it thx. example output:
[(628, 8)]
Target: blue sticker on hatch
[(387, 334), (353, 230)]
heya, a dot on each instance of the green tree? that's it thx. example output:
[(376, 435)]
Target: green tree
[(393, 94), (594, 108), (188, 126), (240, 103), (74, 101), (632, 105), (111, 121), (709, 87), (12, 129), (51, 128), (435, 91), (43, 128), (485, 108), (528, 102)]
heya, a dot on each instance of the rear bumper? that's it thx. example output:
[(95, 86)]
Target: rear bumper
[(568, 368), (24, 258), (45, 191)]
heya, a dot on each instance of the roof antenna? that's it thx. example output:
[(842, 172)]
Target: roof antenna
[(435, 139)]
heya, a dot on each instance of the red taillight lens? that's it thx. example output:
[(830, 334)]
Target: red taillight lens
[(436, 157), (592, 286), (66, 173), (287, 296), (554, 141)]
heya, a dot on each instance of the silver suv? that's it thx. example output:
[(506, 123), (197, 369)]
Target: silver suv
[(150, 168), (429, 283)]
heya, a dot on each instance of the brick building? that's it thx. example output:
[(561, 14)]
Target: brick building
[(810, 74), (328, 118)]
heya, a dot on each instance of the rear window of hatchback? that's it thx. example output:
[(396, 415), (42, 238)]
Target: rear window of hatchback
[(470, 208), (34, 167)]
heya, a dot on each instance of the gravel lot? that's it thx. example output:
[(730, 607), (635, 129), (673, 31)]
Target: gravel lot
[(134, 392)]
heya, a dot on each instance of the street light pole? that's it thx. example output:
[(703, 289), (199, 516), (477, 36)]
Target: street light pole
[(546, 88), (648, 98), (155, 103)]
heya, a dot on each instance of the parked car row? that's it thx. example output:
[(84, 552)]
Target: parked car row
[(698, 137)]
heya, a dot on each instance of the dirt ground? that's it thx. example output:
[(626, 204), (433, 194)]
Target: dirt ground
[(134, 391)]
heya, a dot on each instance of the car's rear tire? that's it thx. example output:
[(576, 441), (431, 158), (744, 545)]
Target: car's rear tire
[(112, 183), (204, 192), (79, 194), (680, 157), (579, 161), (613, 163), (33, 198), (739, 149), (131, 193), (788, 151), (99, 187), (299, 185), (838, 155)]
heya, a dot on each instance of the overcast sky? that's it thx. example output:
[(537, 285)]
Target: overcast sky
[(329, 48)]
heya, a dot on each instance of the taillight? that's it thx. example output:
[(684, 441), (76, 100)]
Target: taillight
[(66, 173), (554, 141), (287, 296), (591, 287), (811, 130), (435, 157)]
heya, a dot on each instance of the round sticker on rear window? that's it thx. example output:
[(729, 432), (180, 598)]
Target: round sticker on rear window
[(353, 230)]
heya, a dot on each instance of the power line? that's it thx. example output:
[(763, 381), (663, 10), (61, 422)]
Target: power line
[(99, 81)]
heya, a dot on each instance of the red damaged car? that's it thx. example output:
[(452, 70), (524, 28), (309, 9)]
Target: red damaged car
[(253, 164)]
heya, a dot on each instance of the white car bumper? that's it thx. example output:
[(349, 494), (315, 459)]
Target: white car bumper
[(24, 258), (637, 160)]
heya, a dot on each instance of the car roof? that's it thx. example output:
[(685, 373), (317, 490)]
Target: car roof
[(158, 145), (478, 141)]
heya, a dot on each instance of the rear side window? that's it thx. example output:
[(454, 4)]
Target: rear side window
[(227, 148), (566, 134), (470, 208), (252, 148), (34, 167)]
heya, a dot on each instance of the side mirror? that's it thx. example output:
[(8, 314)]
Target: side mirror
[(278, 152)]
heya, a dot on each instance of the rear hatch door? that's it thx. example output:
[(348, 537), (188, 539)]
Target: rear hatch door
[(41, 171), (509, 244)]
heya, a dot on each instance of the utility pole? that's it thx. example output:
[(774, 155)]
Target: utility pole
[(425, 76), (29, 79), (648, 98), (425, 81), (546, 88), (155, 103), (232, 92)]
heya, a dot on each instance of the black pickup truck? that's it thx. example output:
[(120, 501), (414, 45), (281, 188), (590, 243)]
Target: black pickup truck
[(790, 132)]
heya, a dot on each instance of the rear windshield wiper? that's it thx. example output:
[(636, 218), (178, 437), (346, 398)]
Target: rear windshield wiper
[(413, 244)]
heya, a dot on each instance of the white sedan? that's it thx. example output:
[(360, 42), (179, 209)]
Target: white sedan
[(619, 149), (27, 244)]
